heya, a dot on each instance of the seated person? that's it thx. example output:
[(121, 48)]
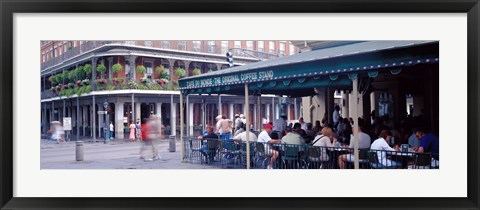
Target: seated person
[(429, 143), (363, 143), (323, 140), (204, 149), (242, 136), (382, 144), (264, 137), (292, 138)]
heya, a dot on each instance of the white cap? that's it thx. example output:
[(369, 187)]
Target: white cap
[(242, 116), (218, 117)]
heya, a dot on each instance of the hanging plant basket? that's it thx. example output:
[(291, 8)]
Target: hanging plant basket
[(117, 68), (180, 72), (141, 69)]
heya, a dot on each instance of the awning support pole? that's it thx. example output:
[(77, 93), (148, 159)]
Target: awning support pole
[(247, 124), (355, 120), (182, 150), (259, 115)]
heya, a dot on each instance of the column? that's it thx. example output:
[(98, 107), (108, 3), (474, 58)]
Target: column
[(44, 118), (133, 65), (267, 110), (187, 117), (255, 116), (288, 112), (94, 75), (93, 118), (119, 127), (219, 66), (330, 102), (53, 108), (110, 63), (345, 104), (230, 110), (84, 118), (138, 107), (355, 120), (173, 117), (190, 118), (133, 108), (319, 103), (101, 119), (78, 119), (295, 108), (418, 105), (158, 109), (219, 107), (204, 114)]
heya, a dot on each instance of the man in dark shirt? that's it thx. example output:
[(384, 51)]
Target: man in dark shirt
[(209, 153), (429, 143)]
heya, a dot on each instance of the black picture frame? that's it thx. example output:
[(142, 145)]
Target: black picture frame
[(10, 7)]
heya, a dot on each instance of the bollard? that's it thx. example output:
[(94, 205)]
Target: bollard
[(79, 151), (172, 142)]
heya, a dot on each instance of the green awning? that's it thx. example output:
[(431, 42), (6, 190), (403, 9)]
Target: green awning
[(297, 75)]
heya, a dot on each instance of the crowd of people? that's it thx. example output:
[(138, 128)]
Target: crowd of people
[(339, 133)]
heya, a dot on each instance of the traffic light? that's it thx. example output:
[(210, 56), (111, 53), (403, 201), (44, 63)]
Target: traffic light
[(230, 59)]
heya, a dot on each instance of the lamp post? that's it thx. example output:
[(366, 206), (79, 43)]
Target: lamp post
[(107, 125)]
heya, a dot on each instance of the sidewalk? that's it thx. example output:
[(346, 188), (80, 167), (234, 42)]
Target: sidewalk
[(117, 154)]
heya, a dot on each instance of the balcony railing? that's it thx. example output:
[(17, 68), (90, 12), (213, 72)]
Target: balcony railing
[(86, 46)]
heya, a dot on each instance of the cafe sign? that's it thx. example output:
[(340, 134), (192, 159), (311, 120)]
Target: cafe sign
[(234, 78)]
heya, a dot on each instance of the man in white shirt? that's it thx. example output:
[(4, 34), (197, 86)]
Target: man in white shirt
[(363, 143), (243, 136), (264, 137)]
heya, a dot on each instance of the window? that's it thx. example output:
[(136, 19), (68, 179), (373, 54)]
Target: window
[(55, 51), (43, 56), (292, 49), (260, 46), (197, 46), (59, 50), (74, 43), (130, 42), (149, 66), (166, 44), (237, 44), (250, 45), (148, 43), (211, 46), (81, 42), (282, 48), (182, 45), (51, 52), (224, 47), (271, 47), (64, 46)]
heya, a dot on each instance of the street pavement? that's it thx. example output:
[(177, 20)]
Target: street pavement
[(117, 154)]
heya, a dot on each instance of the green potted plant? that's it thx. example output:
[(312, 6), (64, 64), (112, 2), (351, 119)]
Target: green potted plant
[(80, 73), (117, 68), (88, 69), (141, 69), (160, 69), (196, 72), (101, 69), (180, 72)]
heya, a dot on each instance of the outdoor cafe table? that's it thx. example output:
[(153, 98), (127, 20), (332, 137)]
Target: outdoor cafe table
[(403, 155)]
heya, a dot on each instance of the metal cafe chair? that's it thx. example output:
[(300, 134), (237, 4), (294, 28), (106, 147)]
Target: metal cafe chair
[(230, 152), (243, 157), (374, 163), (422, 160), (290, 156), (260, 155)]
